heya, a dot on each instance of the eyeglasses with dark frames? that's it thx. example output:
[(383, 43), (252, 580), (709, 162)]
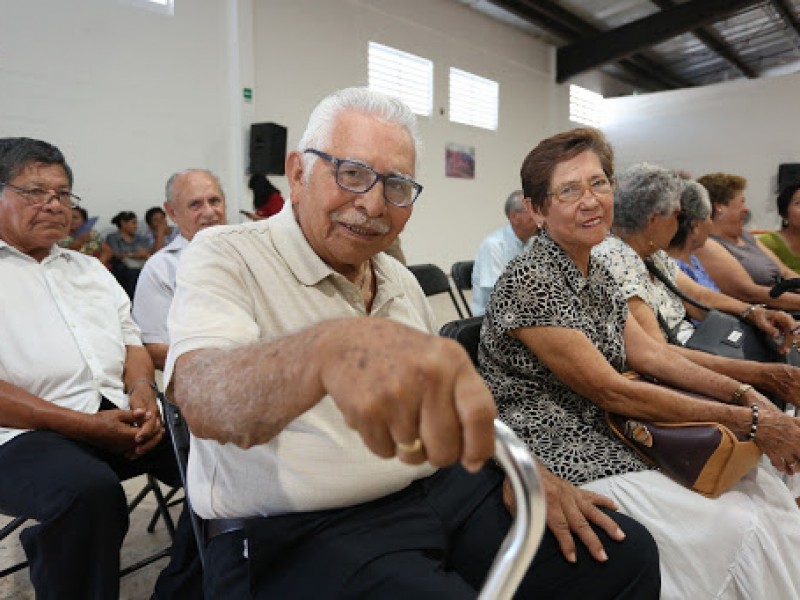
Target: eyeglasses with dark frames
[(359, 178), (572, 191), (41, 197)]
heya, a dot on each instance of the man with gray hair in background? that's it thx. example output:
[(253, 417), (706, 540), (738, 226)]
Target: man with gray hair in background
[(499, 247), (195, 200)]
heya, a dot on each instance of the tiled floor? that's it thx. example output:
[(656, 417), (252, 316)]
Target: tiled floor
[(138, 544)]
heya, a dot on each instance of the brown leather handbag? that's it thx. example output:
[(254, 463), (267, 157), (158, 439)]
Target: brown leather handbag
[(705, 457)]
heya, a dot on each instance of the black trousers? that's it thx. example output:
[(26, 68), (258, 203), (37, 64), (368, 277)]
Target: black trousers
[(74, 492), (435, 539)]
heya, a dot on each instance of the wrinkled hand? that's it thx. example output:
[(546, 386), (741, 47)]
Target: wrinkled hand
[(778, 436), (571, 511), (147, 419), (113, 430), (775, 323), (783, 380), (394, 385)]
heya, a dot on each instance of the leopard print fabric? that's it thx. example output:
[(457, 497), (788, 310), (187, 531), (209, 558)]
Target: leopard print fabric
[(542, 287)]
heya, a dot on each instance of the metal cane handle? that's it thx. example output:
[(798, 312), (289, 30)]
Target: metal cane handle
[(517, 550)]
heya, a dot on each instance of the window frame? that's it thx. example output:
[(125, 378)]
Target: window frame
[(411, 72), (484, 96)]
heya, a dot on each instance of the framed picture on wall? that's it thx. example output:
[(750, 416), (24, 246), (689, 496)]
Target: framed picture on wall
[(459, 161)]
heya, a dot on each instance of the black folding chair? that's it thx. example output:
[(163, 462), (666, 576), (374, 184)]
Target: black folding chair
[(433, 281), (162, 510), (179, 432), (7, 530), (461, 272), (466, 332)]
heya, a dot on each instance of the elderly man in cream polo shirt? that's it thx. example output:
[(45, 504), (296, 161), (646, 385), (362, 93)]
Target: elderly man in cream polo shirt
[(326, 418)]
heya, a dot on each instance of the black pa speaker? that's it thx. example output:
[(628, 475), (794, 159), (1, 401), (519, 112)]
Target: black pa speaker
[(788, 173), (267, 149)]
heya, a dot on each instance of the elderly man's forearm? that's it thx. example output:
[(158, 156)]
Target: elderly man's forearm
[(247, 394)]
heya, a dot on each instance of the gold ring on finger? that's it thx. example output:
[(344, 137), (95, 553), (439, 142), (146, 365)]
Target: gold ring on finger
[(410, 448)]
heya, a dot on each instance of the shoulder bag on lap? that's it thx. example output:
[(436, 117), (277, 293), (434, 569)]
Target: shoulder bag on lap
[(705, 457)]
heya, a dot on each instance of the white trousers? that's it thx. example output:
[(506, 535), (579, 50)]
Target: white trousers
[(743, 545)]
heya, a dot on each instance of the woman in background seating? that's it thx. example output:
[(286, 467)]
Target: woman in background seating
[(786, 242), (159, 232), (739, 264), (554, 341), (694, 226), (86, 242), (131, 250), (130, 246)]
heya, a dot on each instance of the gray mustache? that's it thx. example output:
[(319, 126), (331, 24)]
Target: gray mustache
[(359, 220)]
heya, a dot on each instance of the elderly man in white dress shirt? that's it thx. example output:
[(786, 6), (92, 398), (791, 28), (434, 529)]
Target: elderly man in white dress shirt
[(195, 200), (78, 410)]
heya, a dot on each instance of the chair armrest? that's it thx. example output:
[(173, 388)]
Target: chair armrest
[(520, 544)]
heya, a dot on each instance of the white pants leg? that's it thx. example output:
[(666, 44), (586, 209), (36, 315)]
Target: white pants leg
[(743, 545)]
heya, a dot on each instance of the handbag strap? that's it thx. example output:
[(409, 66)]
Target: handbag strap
[(672, 287), (669, 332)]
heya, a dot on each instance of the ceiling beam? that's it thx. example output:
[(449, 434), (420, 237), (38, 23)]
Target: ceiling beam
[(786, 13), (714, 43), (566, 26), (590, 53), (564, 29)]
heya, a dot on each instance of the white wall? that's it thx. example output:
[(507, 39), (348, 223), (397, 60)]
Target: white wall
[(743, 127), (129, 95), (132, 95), (306, 48)]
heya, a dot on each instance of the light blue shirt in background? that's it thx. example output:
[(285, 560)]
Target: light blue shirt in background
[(494, 253)]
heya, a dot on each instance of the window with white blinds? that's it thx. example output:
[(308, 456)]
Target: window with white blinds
[(474, 100), (585, 106), (403, 75)]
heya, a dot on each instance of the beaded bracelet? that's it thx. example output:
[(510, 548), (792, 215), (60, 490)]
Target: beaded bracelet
[(142, 380), (754, 423)]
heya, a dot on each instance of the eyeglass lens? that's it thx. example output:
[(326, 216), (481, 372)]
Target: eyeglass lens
[(359, 178)]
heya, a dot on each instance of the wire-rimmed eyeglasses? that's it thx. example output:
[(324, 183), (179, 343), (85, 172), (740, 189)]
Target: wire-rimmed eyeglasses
[(41, 197), (572, 191), (359, 178)]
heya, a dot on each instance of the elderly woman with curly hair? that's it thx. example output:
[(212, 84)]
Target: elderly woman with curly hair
[(740, 265), (786, 242), (555, 339)]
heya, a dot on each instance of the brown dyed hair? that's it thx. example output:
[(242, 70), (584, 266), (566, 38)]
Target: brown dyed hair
[(537, 168), (722, 186)]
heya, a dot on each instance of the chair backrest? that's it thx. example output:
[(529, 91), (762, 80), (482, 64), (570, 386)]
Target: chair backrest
[(179, 432), (461, 272), (434, 281), (466, 332)]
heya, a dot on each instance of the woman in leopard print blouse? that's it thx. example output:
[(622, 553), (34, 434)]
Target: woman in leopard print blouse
[(555, 339)]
